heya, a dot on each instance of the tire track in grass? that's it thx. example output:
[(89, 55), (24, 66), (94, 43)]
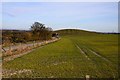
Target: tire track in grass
[(88, 58), (94, 62), (85, 50), (95, 53), (82, 52), (101, 57)]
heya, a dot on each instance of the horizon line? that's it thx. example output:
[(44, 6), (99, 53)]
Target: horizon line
[(64, 29)]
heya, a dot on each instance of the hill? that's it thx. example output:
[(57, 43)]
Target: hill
[(74, 31), (64, 32)]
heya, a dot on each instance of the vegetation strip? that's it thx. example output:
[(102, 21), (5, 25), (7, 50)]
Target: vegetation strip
[(9, 58), (12, 57)]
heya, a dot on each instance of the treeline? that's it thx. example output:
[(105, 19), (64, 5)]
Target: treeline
[(37, 32)]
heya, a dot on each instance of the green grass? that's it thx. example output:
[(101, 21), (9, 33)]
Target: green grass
[(63, 59)]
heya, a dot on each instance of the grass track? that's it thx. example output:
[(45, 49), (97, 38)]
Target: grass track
[(64, 59)]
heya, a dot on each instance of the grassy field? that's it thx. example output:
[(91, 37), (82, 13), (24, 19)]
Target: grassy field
[(75, 55)]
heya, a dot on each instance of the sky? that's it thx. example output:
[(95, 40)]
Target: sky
[(60, 0), (91, 16)]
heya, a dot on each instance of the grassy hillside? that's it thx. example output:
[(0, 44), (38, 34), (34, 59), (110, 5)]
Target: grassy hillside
[(77, 54), (64, 32)]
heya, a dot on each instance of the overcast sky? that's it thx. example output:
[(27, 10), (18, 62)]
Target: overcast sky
[(95, 16)]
